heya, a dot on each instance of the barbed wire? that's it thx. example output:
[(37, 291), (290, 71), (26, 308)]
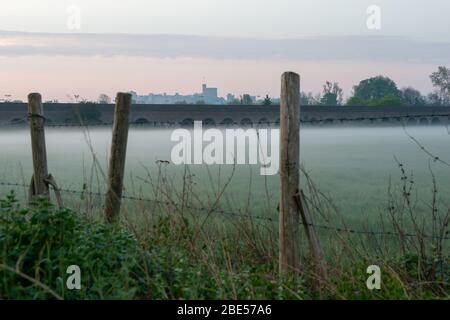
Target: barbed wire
[(247, 216), (384, 118), (399, 118)]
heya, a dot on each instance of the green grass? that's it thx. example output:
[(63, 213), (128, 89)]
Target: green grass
[(167, 258), (352, 165), (163, 251)]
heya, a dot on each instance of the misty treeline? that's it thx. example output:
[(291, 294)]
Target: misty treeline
[(383, 91), (375, 91)]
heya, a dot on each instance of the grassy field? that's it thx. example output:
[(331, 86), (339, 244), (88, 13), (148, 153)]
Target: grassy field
[(353, 180), (354, 166)]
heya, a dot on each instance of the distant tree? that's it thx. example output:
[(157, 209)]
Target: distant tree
[(103, 98), (356, 101), (388, 101), (235, 102), (267, 101), (307, 99), (181, 102), (434, 99), (246, 99), (201, 102), (376, 88), (441, 81), (412, 97), (332, 94)]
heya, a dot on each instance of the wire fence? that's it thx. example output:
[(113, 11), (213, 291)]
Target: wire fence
[(402, 119), (240, 215)]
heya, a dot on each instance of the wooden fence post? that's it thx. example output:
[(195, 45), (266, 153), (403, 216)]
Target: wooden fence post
[(289, 247), (38, 184), (117, 157), (320, 264)]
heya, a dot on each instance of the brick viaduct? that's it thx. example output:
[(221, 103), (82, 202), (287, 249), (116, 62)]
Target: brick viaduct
[(161, 115)]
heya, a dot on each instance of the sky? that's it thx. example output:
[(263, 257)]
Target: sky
[(88, 47)]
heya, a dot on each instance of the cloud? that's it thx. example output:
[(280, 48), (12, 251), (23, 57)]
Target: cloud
[(336, 48)]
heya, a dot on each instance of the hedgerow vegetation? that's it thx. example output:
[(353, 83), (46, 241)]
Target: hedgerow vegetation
[(172, 256)]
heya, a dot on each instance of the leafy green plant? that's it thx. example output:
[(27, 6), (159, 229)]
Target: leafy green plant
[(38, 244)]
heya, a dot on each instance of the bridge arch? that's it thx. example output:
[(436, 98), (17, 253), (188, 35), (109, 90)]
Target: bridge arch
[(435, 120), (209, 122), (141, 121), (423, 120), (246, 122), (412, 120), (188, 122)]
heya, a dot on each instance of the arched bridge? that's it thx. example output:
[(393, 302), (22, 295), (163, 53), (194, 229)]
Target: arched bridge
[(213, 115)]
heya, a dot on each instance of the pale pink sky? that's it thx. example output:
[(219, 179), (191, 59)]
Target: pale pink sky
[(239, 46), (57, 65), (56, 76)]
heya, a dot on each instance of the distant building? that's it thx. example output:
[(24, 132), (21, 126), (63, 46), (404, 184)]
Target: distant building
[(207, 96)]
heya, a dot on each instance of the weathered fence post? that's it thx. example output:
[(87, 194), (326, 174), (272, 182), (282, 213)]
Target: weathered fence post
[(38, 184), (320, 263), (117, 157), (289, 250), (293, 202)]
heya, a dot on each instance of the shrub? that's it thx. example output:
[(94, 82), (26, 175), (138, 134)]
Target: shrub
[(38, 244)]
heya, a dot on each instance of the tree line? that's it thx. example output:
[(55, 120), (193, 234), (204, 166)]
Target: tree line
[(381, 91)]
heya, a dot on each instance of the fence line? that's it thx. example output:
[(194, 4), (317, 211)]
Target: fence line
[(224, 212), (293, 204)]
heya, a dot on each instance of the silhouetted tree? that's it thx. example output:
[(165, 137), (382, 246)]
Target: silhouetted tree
[(388, 101), (434, 99), (332, 94), (246, 99), (103, 98), (267, 101), (441, 81), (412, 97), (307, 99), (376, 91), (376, 88)]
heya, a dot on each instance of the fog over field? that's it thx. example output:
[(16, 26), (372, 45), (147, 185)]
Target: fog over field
[(353, 165)]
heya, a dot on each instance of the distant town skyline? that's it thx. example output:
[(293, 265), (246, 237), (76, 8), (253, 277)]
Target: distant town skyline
[(208, 95)]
